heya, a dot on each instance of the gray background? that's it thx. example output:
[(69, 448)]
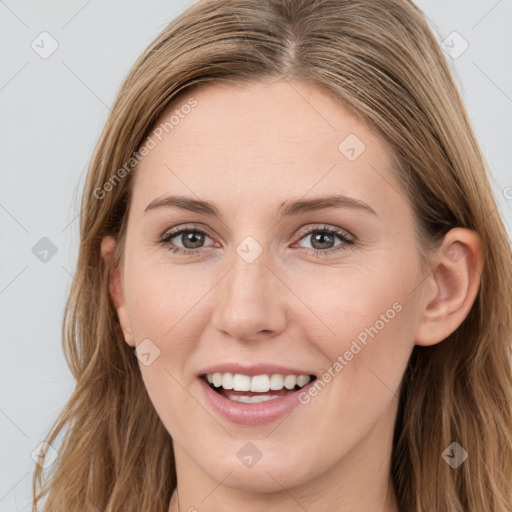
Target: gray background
[(52, 110)]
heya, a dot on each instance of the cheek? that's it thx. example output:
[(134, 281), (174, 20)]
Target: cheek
[(163, 308), (365, 358), (163, 302), (364, 321)]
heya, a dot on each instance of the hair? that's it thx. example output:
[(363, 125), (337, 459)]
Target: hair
[(381, 60)]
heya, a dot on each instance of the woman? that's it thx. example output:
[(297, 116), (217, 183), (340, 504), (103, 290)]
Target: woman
[(289, 223)]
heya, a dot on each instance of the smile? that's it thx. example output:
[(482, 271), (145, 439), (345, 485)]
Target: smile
[(257, 388)]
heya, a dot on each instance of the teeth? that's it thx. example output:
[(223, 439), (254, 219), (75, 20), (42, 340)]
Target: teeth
[(260, 383), (257, 383), (217, 379), (290, 381), (302, 380), (252, 399), (227, 381), (241, 382), (276, 382)]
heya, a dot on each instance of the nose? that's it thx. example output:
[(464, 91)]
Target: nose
[(250, 302)]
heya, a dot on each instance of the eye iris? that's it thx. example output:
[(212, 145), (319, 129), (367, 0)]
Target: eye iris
[(322, 237), (193, 237)]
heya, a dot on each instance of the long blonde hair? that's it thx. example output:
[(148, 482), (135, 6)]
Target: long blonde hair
[(380, 59)]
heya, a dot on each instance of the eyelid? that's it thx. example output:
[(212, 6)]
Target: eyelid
[(309, 228), (193, 226)]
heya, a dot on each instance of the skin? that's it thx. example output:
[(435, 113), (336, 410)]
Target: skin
[(248, 149)]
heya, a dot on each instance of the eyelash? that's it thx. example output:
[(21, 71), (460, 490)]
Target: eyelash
[(347, 240)]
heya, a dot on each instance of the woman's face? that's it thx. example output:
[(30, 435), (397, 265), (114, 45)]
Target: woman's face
[(271, 280)]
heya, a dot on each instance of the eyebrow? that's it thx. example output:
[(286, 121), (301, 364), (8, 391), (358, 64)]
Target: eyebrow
[(287, 208)]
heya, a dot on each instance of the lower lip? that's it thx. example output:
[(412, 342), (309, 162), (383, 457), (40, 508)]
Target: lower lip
[(251, 414)]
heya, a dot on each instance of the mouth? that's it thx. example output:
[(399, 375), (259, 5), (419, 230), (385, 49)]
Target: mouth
[(256, 388)]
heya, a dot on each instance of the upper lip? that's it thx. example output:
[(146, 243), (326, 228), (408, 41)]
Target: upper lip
[(253, 369)]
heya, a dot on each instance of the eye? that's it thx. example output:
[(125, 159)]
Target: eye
[(323, 239), (190, 238)]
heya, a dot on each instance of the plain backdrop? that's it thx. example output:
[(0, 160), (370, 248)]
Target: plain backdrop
[(52, 108)]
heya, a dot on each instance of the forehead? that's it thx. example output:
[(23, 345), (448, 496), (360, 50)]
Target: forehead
[(256, 141)]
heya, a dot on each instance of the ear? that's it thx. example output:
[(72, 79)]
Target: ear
[(451, 288), (115, 288)]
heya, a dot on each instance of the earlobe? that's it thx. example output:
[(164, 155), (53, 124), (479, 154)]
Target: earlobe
[(116, 289), (452, 286)]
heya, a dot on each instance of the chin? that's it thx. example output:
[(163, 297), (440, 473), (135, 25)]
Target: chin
[(269, 474)]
